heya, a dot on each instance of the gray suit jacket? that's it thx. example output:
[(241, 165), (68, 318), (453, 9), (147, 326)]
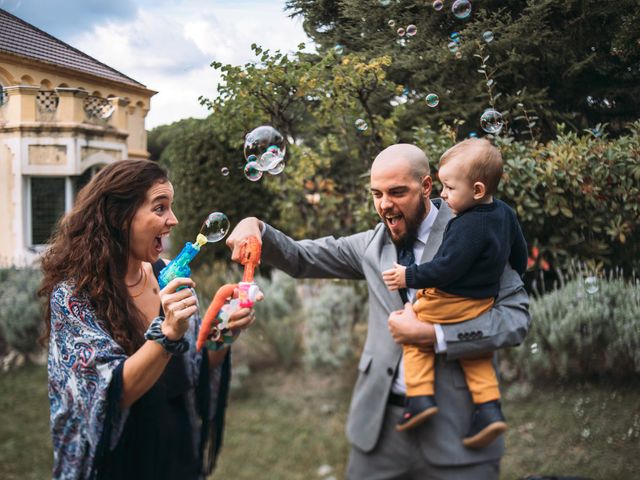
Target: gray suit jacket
[(364, 256)]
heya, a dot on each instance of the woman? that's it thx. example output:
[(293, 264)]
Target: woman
[(130, 397)]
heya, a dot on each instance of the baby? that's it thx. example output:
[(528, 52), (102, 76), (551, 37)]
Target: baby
[(461, 282)]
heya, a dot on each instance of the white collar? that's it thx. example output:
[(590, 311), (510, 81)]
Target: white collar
[(427, 223)]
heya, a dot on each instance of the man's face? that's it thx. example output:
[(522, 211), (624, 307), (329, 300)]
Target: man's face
[(399, 198)]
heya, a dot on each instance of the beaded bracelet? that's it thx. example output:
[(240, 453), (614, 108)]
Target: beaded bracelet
[(154, 332)]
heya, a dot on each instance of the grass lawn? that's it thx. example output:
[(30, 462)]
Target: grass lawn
[(285, 425)]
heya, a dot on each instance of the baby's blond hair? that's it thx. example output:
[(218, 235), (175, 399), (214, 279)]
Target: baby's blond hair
[(482, 159)]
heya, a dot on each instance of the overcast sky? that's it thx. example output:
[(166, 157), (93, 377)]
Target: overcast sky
[(166, 45)]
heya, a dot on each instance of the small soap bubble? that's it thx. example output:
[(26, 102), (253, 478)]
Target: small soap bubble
[(391, 23), (432, 100), (591, 285), (401, 32), (453, 47), (437, 5), (411, 30), (461, 9), (260, 139), (339, 49), (268, 159), (384, 3), (361, 125), (215, 227), (473, 134), (458, 54), (252, 172), (277, 168), (488, 36), (455, 37), (224, 171), (491, 121)]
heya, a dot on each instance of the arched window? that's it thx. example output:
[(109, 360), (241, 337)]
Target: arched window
[(3, 96)]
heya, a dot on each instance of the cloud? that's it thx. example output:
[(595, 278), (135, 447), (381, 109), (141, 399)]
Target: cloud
[(169, 47)]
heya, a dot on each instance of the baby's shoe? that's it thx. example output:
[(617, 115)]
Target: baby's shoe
[(416, 410), (487, 424)]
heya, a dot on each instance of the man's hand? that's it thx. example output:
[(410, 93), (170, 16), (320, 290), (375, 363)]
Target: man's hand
[(406, 329), (248, 227), (395, 277)]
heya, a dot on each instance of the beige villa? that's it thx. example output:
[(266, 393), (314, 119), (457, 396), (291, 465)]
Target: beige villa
[(63, 115)]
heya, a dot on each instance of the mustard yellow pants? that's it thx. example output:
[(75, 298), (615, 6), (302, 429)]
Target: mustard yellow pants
[(435, 306)]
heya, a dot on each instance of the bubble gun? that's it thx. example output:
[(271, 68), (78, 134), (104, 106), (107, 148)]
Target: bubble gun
[(179, 266), (214, 331)]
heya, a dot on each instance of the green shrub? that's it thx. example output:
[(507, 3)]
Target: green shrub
[(331, 309), (580, 333), (577, 197), (20, 310)]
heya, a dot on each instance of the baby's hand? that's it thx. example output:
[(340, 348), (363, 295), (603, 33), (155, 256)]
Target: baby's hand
[(394, 278)]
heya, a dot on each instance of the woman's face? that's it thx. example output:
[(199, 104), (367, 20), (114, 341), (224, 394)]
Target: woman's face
[(152, 223)]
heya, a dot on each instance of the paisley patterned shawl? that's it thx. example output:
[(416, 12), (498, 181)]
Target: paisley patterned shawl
[(83, 360)]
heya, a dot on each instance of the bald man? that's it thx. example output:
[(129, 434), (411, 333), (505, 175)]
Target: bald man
[(410, 222)]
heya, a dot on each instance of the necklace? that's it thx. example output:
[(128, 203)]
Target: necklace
[(144, 285)]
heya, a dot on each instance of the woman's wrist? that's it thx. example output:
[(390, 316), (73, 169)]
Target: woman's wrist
[(156, 333)]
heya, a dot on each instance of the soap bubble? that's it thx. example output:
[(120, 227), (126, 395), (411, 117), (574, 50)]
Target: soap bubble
[(391, 23), (458, 54), (432, 100), (361, 125), (401, 32), (258, 141), (339, 49), (252, 172), (411, 30), (591, 285), (453, 47), (215, 227), (384, 3), (488, 36), (473, 134), (461, 9), (491, 121), (277, 168), (437, 5), (455, 37), (224, 171), (269, 159)]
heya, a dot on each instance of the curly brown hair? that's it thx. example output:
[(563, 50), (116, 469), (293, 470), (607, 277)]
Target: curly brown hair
[(90, 247)]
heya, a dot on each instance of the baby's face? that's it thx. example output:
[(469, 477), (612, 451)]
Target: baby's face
[(457, 189)]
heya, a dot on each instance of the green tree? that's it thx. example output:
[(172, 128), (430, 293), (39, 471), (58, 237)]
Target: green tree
[(574, 61)]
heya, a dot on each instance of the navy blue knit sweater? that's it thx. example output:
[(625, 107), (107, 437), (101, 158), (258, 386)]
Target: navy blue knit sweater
[(475, 249)]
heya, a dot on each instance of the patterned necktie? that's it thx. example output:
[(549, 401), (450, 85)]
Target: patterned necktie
[(405, 258)]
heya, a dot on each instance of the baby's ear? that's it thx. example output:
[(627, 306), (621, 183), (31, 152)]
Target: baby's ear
[(479, 190)]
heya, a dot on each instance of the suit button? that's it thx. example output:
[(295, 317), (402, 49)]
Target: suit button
[(390, 371), (465, 335), (479, 333), (460, 336)]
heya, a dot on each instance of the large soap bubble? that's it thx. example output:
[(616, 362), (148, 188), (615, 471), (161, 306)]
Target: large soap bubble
[(262, 139), (491, 121), (215, 227), (461, 9), (411, 30)]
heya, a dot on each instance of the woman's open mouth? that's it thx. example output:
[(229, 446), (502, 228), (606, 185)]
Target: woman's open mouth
[(160, 242)]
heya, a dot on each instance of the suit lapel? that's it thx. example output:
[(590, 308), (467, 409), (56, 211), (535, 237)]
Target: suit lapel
[(437, 230)]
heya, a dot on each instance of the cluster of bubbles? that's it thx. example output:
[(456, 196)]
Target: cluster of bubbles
[(491, 121), (215, 227), (461, 9), (454, 44), (264, 150), (410, 31)]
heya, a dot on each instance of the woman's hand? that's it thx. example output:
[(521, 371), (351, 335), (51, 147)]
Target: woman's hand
[(242, 318), (178, 306)]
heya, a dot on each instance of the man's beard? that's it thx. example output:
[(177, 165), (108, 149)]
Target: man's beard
[(413, 224)]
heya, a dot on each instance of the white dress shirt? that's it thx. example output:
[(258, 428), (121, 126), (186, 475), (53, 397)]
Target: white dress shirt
[(424, 230)]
